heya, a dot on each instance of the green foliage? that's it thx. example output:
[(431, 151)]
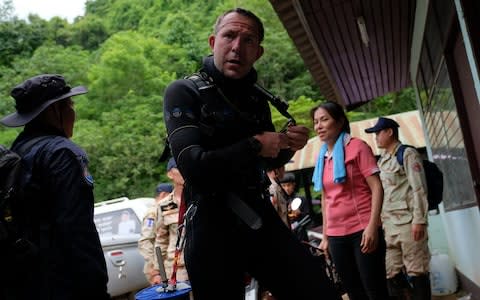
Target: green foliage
[(129, 62), (126, 14), (89, 32), (49, 58), (19, 39), (124, 146), (6, 10), (388, 104)]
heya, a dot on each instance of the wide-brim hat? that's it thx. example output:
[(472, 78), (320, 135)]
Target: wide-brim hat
[(37, 93), (382, 123)]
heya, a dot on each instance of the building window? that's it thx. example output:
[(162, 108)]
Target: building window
[(442, 123)]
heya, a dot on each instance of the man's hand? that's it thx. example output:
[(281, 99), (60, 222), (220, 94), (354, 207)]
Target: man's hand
[(418, 231), (272, 143), (297, 137), (155, 277)]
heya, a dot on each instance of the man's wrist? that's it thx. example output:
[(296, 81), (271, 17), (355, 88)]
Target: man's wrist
[(255, 144)]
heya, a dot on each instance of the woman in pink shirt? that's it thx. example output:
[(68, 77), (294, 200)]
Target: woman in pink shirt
[(352, 193)]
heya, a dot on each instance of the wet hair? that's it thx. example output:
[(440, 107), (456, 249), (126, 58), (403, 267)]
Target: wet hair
[(245, 13), (336, 111)]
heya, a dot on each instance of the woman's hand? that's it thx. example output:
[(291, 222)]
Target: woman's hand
[(369, 239), (324, 246)]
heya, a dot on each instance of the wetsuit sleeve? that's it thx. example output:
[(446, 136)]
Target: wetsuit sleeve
[(182, 109)]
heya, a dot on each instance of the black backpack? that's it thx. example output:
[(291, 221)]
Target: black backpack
[(11, 197), (433, 176)]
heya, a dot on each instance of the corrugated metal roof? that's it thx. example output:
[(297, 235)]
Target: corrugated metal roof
[(411, 133), (348, 68)]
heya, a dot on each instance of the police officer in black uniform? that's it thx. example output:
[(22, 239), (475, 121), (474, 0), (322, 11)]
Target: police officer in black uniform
[(66, 261), (221, 135)]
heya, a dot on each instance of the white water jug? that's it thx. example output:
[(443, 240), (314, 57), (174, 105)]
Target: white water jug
[(443, 279)]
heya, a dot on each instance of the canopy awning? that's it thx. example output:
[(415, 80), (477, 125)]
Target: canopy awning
[(411, 133)]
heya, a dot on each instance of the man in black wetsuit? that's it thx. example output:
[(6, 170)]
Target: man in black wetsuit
[(222, 138)]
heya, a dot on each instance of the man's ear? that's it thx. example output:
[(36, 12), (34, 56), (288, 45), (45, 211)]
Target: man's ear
[(390, 131), (211, 41), (260, 52)]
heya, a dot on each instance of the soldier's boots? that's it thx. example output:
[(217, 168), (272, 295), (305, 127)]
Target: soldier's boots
[(421, 287), (398, 287)]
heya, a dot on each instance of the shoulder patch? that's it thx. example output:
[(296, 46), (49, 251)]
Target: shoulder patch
[(88, 177), (149, 222), (417, 167)]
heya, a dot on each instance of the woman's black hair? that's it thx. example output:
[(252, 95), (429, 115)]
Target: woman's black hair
[(336, 111)]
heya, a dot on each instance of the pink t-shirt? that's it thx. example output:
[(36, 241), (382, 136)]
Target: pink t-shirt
[(348, 204)]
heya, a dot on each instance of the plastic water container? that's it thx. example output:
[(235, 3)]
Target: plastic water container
[(443, 278)]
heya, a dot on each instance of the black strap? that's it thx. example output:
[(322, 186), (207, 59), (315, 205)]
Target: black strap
[(203, 81), (28, 145)]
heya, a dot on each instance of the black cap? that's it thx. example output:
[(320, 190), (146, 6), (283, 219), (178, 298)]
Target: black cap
[(382, 123), (288, 177), (163, 187), (171, 164), (37, 93)]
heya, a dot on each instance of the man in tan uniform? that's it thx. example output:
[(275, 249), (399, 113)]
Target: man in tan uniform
[(166, 224), (160, 230), (404, 214), (146, 243)]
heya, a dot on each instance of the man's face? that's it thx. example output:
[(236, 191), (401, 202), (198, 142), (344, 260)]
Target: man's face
[(289, 187), (384, 138), (161, 195), (175, 176), (61, 115), (236, 46)]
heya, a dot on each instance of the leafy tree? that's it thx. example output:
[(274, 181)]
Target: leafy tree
[(98, 7), (19, 39), (60, 32), (124, 146), (89, 32), (6, 10), (130, 62), (49, 58), (126, 14), (389, 104)]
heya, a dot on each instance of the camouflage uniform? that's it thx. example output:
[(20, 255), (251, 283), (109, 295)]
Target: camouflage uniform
[(147, 241), (405, 203), (166, 227)]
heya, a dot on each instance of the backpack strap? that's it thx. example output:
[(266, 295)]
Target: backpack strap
[(400, 153), (29, 144)]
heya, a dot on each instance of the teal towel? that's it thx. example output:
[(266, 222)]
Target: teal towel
[(339, 172)]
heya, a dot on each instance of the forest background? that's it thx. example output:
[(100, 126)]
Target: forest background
[(126, 52)]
